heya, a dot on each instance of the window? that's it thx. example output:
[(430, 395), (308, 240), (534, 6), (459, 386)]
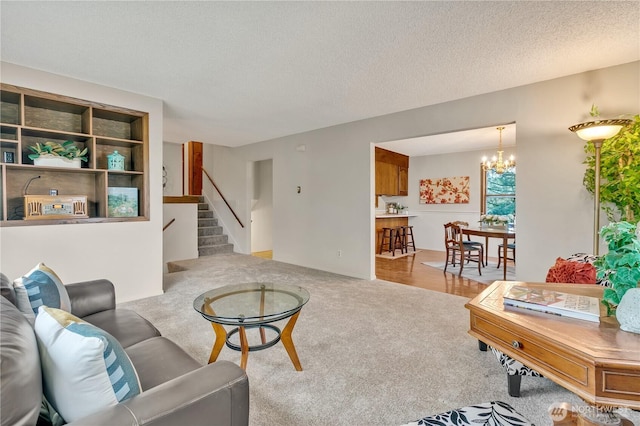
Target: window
[(498, 192)]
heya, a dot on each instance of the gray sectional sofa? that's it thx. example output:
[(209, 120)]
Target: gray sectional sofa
[(176, 389)]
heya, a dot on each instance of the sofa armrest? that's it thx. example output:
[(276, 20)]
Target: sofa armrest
[(90, 297), (217, 393)]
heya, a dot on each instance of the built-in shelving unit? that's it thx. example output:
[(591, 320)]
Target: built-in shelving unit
[(28, 117)]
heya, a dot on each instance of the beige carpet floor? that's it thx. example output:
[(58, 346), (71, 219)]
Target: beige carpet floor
[(373, 352)]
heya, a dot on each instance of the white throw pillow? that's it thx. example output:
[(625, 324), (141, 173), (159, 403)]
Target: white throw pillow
[(40, 286), (84, 368)]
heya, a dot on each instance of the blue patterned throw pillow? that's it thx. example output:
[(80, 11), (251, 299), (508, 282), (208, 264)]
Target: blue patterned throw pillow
[(40, 286), (84, 368)]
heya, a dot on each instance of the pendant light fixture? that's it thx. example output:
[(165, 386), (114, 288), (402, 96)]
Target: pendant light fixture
[(498, 164)]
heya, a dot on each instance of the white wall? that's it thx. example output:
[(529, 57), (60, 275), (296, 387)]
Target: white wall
[(336, 207), (172, 162), (127, 253), (262, 210), (428, 224), (180, 239)]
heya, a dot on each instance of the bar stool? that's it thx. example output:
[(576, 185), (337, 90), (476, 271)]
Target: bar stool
[(392, 240), (407, 238)]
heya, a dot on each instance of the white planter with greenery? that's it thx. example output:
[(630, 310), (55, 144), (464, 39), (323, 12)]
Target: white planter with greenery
[(56, 161), (54, 154)]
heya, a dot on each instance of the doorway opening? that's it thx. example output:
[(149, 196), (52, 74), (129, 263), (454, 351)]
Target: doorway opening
[(262, 209)]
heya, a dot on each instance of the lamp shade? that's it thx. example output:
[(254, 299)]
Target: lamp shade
[(599, 129)]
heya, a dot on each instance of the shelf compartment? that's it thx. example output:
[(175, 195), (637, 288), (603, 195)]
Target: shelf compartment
[(56, 115), (131, 150), (9, 133), (118, 125), (9, 152), (128, 180), (65, 181), (30, 137), (10, 107)]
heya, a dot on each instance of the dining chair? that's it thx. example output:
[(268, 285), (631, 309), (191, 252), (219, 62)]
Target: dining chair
[(455, 246), (511, 252), (469, 241)]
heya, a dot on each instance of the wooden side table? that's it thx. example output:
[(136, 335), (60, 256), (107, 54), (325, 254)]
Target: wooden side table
[(597, 361)]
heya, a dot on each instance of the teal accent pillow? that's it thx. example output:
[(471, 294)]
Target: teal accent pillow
[(40, 286), (84, 368)]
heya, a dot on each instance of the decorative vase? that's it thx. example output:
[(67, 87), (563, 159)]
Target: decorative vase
[(628, 311), (57, 161), (115, 161)]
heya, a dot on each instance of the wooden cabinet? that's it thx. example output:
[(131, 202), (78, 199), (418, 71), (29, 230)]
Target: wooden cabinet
[(392, 173), (28, 117), (403, 180), (386, 178)]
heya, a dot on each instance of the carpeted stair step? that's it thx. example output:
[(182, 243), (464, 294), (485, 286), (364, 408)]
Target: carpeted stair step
[(217, 249), (212, 240), (207, 222), (209, 230), (205, 214)]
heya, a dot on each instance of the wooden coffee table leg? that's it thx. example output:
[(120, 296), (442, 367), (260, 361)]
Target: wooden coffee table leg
[(221, 338), (244, 348), (287, 341)]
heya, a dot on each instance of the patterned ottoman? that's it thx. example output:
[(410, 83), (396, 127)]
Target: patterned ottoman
[(495, 413)]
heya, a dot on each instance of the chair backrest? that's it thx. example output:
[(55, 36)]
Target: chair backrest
[(452, 235), (460, 224)]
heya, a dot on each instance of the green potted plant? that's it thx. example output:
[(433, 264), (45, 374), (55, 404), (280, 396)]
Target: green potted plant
[(619, 172), (65, 154), (621, 265)]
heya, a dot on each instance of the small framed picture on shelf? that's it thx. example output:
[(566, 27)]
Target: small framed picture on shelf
[(123, 202), (7, 156)]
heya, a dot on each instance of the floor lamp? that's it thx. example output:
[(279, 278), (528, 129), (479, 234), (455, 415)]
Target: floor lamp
[(596, 132)]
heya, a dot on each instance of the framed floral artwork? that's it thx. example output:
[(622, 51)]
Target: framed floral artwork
[(451, 190)]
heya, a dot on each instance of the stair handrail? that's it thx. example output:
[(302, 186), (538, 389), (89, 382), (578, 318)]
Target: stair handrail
[(222, 196), (169, 224)]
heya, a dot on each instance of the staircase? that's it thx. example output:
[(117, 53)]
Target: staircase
[(211, 240)]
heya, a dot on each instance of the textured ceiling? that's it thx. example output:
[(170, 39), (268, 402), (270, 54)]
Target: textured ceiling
[(233, 73), (485, 138)]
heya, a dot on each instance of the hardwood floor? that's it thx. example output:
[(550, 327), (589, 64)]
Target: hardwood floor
[(410, 271), (267, 254)]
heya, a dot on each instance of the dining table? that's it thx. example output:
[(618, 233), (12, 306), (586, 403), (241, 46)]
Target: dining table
[(504, 234)]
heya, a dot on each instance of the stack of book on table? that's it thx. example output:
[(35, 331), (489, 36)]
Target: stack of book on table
[(554, 302)]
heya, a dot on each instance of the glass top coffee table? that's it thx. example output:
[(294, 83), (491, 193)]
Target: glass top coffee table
[(252, 305)]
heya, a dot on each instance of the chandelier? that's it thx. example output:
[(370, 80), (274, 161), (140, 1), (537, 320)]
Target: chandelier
[(497, 164)]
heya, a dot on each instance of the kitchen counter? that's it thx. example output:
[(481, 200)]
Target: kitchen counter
[(386, 220)]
